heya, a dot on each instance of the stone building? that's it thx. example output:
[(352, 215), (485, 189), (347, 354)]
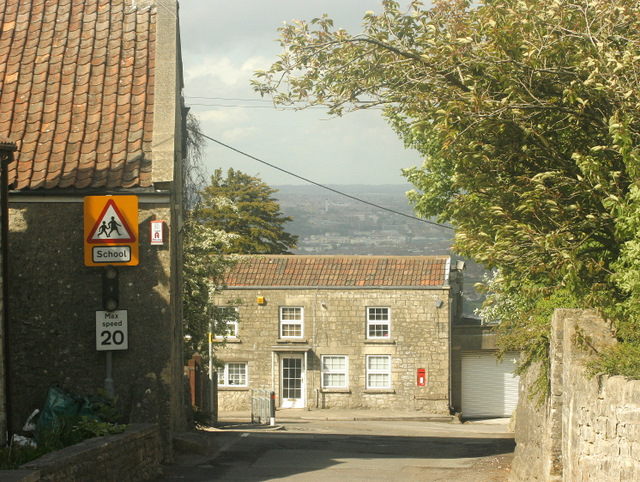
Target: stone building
[(371, 332), (90, 92)]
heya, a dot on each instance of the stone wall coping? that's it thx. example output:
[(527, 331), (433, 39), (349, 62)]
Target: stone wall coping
[(336, 288)]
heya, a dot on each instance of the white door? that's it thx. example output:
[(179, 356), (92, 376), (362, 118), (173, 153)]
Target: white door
[(292, 381), (489, 388)]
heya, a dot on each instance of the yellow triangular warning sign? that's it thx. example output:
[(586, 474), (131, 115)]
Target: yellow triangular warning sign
[(111, 227)]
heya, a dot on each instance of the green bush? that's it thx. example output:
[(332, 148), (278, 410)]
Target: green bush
[(622, 359)]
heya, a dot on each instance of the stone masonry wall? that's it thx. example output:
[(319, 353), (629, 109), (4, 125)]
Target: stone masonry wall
[(52, 302), (589, 429), (132, 456), (532, 460), (335, 324)]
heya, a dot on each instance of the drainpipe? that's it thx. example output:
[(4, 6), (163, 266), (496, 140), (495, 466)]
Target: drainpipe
[(313, 347), (451, 409), (5, 159)]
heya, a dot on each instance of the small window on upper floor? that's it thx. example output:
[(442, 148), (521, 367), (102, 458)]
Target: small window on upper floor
[(378, 322), (291, 322), (227, 327)]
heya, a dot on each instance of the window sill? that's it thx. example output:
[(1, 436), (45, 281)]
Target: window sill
[(233, 389), (335, 390), (377, 391), (228, 340), (379, 341), (289, 341)]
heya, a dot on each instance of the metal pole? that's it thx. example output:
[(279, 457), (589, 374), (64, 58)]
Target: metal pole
[(252, 409), (108, 382), (272, 417), (211, 392)]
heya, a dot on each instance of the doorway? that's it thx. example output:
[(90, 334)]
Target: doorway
[(292, 381)]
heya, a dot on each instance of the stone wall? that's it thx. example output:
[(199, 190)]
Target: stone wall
[(335, 324), (589, 428), (131, 456), (52, 302)]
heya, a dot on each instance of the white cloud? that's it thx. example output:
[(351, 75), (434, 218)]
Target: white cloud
[(221, 70), (224, 43)]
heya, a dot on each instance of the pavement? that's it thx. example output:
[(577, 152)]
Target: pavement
[(336, 414)]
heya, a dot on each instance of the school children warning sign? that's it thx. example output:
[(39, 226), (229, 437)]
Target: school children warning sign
[(111, 230)]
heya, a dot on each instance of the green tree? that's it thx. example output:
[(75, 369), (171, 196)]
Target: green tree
[(528, 116), (204, 262), (242, 205)]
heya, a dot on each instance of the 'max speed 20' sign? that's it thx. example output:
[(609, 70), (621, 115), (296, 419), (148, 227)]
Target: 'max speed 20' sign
[(111, 230)]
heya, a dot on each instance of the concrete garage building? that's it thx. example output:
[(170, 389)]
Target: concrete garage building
[(483, 385), (369, 332)]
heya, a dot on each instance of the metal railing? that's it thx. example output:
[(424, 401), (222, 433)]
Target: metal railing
[(263, 406)]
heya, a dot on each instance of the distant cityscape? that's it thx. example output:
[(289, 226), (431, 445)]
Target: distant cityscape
[(328, 223)]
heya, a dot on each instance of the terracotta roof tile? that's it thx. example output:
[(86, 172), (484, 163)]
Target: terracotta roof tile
[(339, 271), (76, 92)]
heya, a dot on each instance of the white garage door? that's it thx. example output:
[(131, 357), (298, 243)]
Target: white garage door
[(489, 388)]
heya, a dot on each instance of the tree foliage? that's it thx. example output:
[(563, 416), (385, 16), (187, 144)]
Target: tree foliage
[(194, 178), (243, 205), (527, 113), (204, 268)]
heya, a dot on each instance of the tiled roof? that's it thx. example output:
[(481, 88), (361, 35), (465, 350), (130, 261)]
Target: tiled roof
[(76, 92), (339, 271)]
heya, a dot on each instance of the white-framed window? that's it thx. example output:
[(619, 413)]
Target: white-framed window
[(229, 317), (233, 374), (378, 322), (378, 371), (335, 371), (291, 322)]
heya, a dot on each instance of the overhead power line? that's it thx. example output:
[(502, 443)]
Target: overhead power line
[(273, 166), (240, 103)]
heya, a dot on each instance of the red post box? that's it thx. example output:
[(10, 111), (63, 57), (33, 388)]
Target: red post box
[(422, 377)]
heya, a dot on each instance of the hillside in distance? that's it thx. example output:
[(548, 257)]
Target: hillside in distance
[(328, 223)]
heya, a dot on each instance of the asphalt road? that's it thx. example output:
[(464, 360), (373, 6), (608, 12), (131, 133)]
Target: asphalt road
[(351, 450)]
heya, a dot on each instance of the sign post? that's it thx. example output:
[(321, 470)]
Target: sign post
[(111, 334), (111, 239)]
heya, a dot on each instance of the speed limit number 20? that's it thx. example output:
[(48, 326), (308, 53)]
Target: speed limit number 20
[(111, 330)]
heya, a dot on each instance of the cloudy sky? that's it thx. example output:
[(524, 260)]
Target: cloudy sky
[(223, 43)]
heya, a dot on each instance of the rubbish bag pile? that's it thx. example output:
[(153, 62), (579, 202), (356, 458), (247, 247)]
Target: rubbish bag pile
[(62, 407)]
